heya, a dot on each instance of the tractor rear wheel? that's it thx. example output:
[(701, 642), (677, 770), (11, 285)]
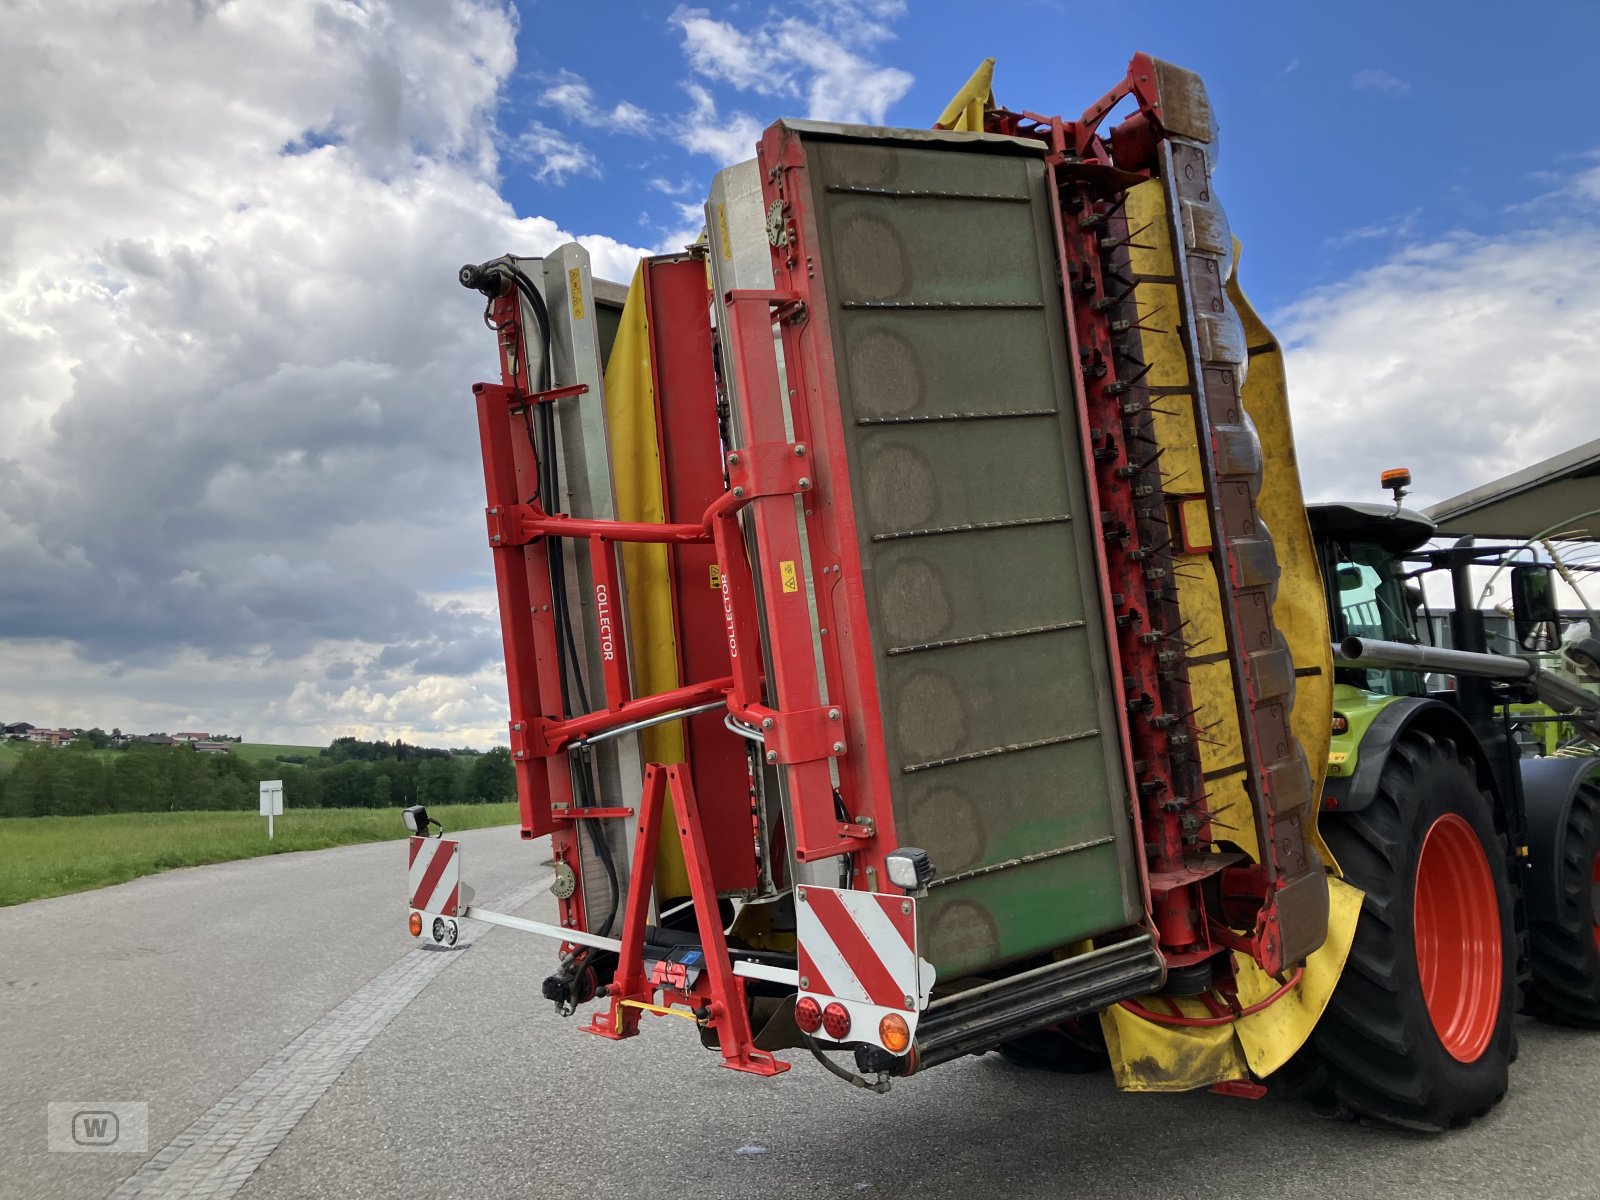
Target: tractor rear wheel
[(1418, 1032), (1565, 945)]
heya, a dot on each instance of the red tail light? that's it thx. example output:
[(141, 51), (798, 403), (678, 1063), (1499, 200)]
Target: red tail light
[(836, 1020), (808, 1014)]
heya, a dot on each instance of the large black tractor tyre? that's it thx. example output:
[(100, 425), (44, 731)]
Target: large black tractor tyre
[(1418, 1032), (1565, 939)]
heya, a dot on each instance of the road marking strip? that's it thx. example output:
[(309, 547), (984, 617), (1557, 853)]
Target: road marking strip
[(216, 1155)]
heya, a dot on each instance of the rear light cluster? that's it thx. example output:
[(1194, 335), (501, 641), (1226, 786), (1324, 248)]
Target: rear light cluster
[(893, 1031), (836, 1021), (808, 1014), (811, 1016), (445, 932)]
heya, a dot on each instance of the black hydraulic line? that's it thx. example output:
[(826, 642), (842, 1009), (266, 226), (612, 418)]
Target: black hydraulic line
[(880, 1086)]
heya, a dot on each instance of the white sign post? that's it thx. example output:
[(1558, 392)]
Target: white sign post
[(271, 801)]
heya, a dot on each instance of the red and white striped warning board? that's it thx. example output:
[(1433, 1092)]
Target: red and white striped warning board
[(435, 876), (860, 948)]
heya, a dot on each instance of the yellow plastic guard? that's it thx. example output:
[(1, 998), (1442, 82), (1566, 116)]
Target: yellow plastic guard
[(636, 477), (1146, 1057), (965, 113)]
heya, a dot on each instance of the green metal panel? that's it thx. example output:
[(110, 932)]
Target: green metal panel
[(986, 615)]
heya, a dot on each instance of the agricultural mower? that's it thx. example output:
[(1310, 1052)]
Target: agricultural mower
[(917, 646)]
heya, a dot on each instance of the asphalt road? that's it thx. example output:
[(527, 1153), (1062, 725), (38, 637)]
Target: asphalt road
[(276, 1006)]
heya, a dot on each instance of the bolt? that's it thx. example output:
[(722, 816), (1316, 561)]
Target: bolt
[(738, 493), (772, 756), (520, 754), (833, 714), (495, 538), (838, 747), (733, 460), (911, 1002), (805, 981), (805, 484), (800, 449), (766, 722), (905, 907)]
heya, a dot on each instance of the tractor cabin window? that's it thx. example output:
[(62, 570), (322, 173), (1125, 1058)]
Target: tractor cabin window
[(1374, 603)]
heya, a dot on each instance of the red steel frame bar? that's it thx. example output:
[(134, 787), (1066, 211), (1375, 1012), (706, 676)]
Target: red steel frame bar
[(802, 733)]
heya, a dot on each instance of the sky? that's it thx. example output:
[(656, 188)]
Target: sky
[(239, 481)]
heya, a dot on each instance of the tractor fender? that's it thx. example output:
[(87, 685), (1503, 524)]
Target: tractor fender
[(1355, 791), (1548, 786)]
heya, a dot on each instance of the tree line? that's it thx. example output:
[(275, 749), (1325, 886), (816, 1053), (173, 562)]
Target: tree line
[(349, 774)]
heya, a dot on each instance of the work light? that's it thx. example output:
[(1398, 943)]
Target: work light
[(909, 868)]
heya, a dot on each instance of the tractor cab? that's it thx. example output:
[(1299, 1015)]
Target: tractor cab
[(1362, 549)]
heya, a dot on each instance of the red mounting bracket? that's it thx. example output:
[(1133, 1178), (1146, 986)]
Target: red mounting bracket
[(804, 735), (508, 524), (769, 469), (717, 997), (560, 393)]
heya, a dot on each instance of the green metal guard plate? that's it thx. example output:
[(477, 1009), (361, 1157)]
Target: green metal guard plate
[(987, 623)]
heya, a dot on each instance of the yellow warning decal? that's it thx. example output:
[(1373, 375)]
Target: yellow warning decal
[(1336, 757), (716, 577), (722, 228), (786, 572), (575, 290)]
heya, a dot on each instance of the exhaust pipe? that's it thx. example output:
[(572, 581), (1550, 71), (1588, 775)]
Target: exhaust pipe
[(1371, 652), (1560, 694)]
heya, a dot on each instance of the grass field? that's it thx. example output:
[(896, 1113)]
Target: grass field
[(11, 751), (266, 752), (51, 856)]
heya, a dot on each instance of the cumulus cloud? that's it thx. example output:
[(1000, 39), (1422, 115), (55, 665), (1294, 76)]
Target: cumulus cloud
[(550, 157), (238, 456), (1464, 358), (572, 95), (822, 57), (728, 139)]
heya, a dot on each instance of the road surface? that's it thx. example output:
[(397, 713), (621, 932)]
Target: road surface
[(291, 1041)]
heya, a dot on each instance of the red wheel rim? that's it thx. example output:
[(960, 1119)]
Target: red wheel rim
[(1457, 924)]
